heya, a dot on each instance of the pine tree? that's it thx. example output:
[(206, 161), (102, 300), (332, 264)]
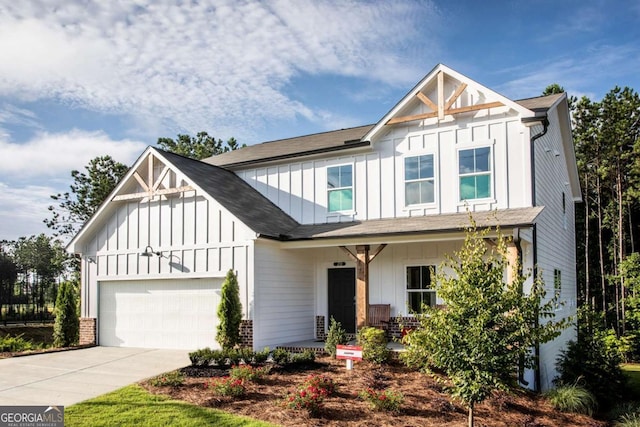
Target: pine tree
[(229, 313)]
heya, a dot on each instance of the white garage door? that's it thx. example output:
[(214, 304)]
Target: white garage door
[(175, 314)]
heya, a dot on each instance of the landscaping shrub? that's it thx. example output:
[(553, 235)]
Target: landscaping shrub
[(625, 410), (247, 373), (280, 356), (307, 356), (227, 386), (229, 313), (321, 382), (308, 399), (374, 345), (173, 378), (572, 398), (207, 357), (261, 356), (337, 335), (383, 400), (629, 420), (15, 344), (589, 362), (66, 329)]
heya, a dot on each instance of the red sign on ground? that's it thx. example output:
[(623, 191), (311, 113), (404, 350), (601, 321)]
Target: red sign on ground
[(349, 352)]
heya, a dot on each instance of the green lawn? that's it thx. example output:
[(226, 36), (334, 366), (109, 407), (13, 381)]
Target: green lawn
[(134, 406), (632, 371)]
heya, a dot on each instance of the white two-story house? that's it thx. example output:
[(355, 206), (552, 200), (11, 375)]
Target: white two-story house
[(324, 225)]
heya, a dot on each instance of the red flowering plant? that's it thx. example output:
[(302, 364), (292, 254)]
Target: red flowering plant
[(310, 395), (383, 400), (247, 373), (227, 386), (323, 383)]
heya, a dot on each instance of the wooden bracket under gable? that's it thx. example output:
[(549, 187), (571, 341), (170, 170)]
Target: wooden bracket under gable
[(443, 108), (150, 186)]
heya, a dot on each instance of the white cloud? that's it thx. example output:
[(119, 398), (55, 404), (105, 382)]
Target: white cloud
[(55, 155), (202, 65), (23, 209)]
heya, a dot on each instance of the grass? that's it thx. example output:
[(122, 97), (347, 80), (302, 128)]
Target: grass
[(572, 398), (632, 371), (132, 405)]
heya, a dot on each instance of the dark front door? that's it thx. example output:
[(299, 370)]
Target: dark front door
[(342, 297)]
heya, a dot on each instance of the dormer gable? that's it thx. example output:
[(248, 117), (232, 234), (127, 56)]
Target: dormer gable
[(444, 95)]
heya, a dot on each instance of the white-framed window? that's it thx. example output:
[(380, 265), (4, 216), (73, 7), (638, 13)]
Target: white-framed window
[(420, 288), (340, 188), (419, 181), (474, 169)]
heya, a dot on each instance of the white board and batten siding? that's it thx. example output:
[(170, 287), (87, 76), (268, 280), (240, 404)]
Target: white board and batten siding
[(555, 236), (199, 240), (284, 289), (299, 188)]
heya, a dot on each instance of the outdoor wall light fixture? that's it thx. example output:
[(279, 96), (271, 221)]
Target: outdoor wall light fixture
[(149, 252)]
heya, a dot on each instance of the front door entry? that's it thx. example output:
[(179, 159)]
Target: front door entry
[(342, 297)]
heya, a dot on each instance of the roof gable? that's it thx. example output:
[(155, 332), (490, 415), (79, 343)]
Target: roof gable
[(442, 95), (158, 175)]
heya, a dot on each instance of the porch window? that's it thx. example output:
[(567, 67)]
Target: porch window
[(418, 180), (340, 188), (474, 168), (419, 287)]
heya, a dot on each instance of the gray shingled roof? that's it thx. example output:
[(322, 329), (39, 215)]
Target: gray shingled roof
[(292, 147), (416, 225), (329, 141), (243, 201)]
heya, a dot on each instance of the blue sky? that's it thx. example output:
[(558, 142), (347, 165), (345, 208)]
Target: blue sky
[(80, 79)]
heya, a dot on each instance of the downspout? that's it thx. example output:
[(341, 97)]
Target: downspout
[(537, 380), (518, 245)]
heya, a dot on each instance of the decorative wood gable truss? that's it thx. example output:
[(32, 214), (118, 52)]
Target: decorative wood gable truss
[(454, 104), (152, 180)]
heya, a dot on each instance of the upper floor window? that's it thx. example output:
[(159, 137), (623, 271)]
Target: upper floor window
[(475, 173), (419, 287), (340, 188), (419, 180)]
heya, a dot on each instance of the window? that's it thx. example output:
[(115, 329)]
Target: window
[(557, 282), (475, 173), (419, 287), (340, 188), (418, 180)]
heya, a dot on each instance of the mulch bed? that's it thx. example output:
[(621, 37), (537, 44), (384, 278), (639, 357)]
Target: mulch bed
[(425, 403)]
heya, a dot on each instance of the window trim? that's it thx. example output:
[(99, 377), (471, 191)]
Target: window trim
[(405, 181), (490, 145), (352, 188), (433, 291)]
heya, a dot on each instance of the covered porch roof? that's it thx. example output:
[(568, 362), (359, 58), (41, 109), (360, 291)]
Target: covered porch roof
[(397, 230)]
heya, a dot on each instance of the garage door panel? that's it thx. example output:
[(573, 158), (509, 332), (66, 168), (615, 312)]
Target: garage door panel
[(178, 314)]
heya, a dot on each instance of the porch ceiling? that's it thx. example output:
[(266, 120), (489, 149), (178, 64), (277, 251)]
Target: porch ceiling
[(410, 229)]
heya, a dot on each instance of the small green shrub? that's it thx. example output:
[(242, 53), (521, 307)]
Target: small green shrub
[(247, 373), (374, 345), (383, 400), (573, 398), (280, 356), (629, 420), (207, 357), (227, 386), (310, 395), (307, 356), (173, 378), (337, 335), (591, 363), (66, 329), (261, 356), (15, 344)]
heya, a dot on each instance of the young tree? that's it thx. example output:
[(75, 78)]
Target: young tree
[(88, 191), (199, 147), (229, 313), (487, 327), (67, 325)]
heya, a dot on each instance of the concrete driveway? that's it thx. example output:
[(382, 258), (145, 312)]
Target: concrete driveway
[(69, 377)]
